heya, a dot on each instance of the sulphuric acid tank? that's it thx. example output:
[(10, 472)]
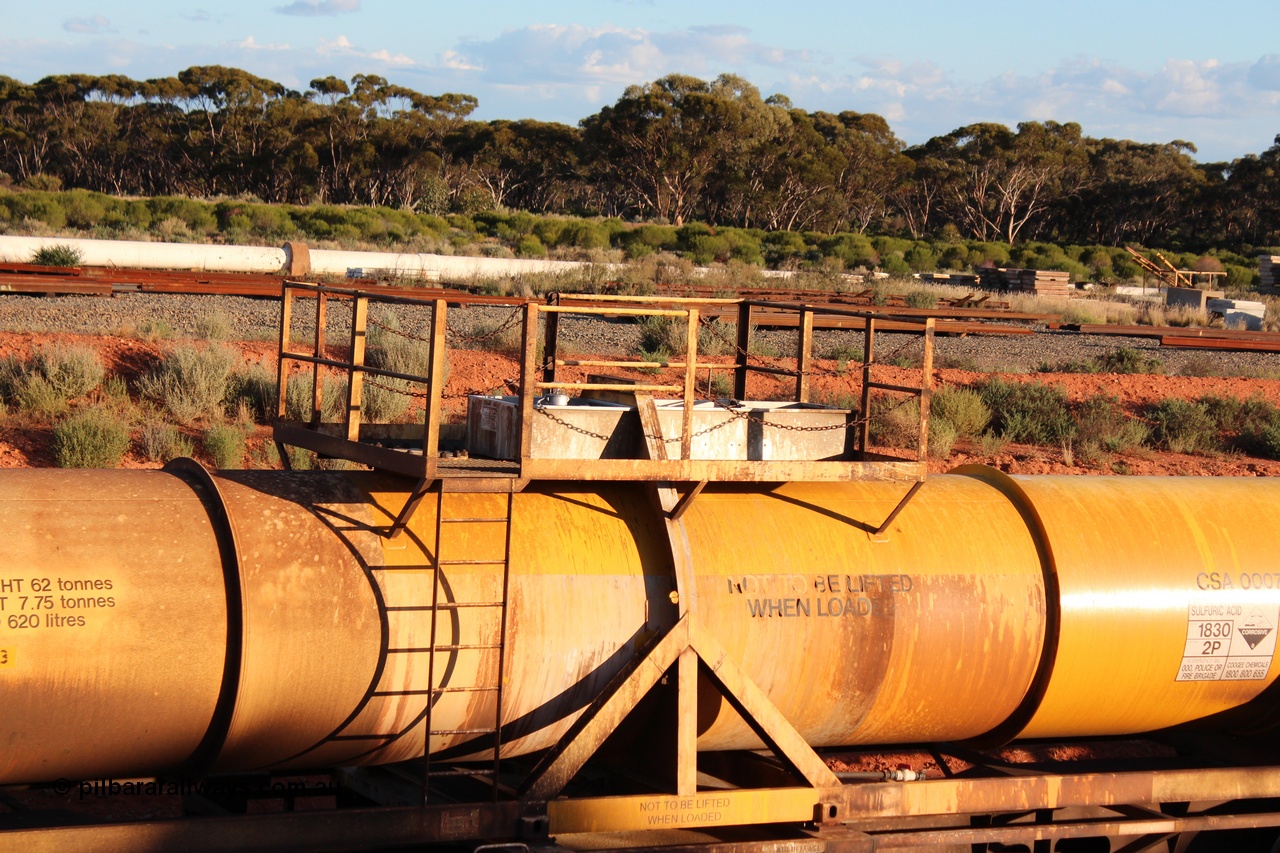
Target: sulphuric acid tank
[(155, 621)]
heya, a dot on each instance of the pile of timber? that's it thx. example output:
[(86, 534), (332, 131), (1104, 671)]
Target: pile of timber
[(1269, 267), (1039, 282)]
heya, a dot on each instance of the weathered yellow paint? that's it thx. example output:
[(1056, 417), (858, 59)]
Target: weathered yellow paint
[(935, 630), (1133, 555)]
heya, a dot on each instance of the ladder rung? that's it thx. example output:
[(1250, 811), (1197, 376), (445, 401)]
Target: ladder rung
[(445, 605), (501, 518), (462, 732), (435, 773), (401, 692), (452, 647), (493, 689), (473, 562)]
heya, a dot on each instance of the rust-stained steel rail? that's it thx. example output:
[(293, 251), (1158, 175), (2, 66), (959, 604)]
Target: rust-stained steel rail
[(102, 281)]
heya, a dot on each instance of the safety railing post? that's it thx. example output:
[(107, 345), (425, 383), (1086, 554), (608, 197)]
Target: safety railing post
[(355, 375), (529, 345), (435, 387), (690, 380), (926, 387), (317, 386), (744, 344), (868, 358), (804, 354), (282, 370)]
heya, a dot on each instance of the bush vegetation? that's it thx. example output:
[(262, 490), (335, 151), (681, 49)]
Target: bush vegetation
[(191, 383), (45, 382), (60, 255), (669, 251), (225, 444), (92, 438), (162, 442)]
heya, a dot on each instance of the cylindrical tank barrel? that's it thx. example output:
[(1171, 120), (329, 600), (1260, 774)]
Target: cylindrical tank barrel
[(156, 621)]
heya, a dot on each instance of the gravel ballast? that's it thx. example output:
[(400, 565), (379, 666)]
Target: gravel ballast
[(250, 318)]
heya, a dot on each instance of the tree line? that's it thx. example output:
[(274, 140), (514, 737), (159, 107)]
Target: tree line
[(675, 150)]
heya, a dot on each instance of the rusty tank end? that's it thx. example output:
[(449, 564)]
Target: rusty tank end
[(155, 621)]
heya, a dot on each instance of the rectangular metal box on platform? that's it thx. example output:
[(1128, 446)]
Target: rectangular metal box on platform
[(596, 429)]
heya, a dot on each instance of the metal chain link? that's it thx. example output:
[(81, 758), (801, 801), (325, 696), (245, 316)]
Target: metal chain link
[(710, 323), (408, 392), (465, 337), (399, 332), (748, 416)]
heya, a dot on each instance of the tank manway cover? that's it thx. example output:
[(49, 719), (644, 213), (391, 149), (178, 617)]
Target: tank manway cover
[(1255, 628)]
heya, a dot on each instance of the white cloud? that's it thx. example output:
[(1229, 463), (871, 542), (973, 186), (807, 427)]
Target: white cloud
[(250, 44), (1265, 73), (318, 8), (454, 60), (92, 26), (342, 46), (571, 55)]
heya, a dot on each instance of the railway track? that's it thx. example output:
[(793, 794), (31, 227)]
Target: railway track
[(972, 314)]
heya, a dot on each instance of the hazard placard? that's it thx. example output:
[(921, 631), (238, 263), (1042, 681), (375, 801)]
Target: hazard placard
[(1229, 642)]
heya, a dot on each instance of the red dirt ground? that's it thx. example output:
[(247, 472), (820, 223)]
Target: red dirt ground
[(25, 443)]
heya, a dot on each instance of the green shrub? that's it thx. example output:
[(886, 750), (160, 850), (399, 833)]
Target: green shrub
[(155, 330), (921, 299), (225, 444), (213, 326), (84, 210), (1269, 441), (920, 258), (35, 394), (191, 383), (662, 336), (1103, 425), (94, 438), (58, 255), (391, 349), (254, 385), (529, 246), (894, 421), (1183, 427), (162, 442), (46, 381), (11, 373), (717, 338), (942, 438), (383, 400), (1029, 413), (1245, 423), (963, 408), (1129, 360), (299, 403), (42, 182), (72, 371)]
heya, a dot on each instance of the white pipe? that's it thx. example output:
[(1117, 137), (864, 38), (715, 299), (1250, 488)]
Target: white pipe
[(263, 259), (131, 254), (139, 255), (435, 267)]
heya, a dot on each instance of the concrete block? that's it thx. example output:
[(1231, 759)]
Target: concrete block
[(1190, 297)]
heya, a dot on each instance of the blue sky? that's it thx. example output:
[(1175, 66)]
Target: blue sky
[(1144, 70)]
